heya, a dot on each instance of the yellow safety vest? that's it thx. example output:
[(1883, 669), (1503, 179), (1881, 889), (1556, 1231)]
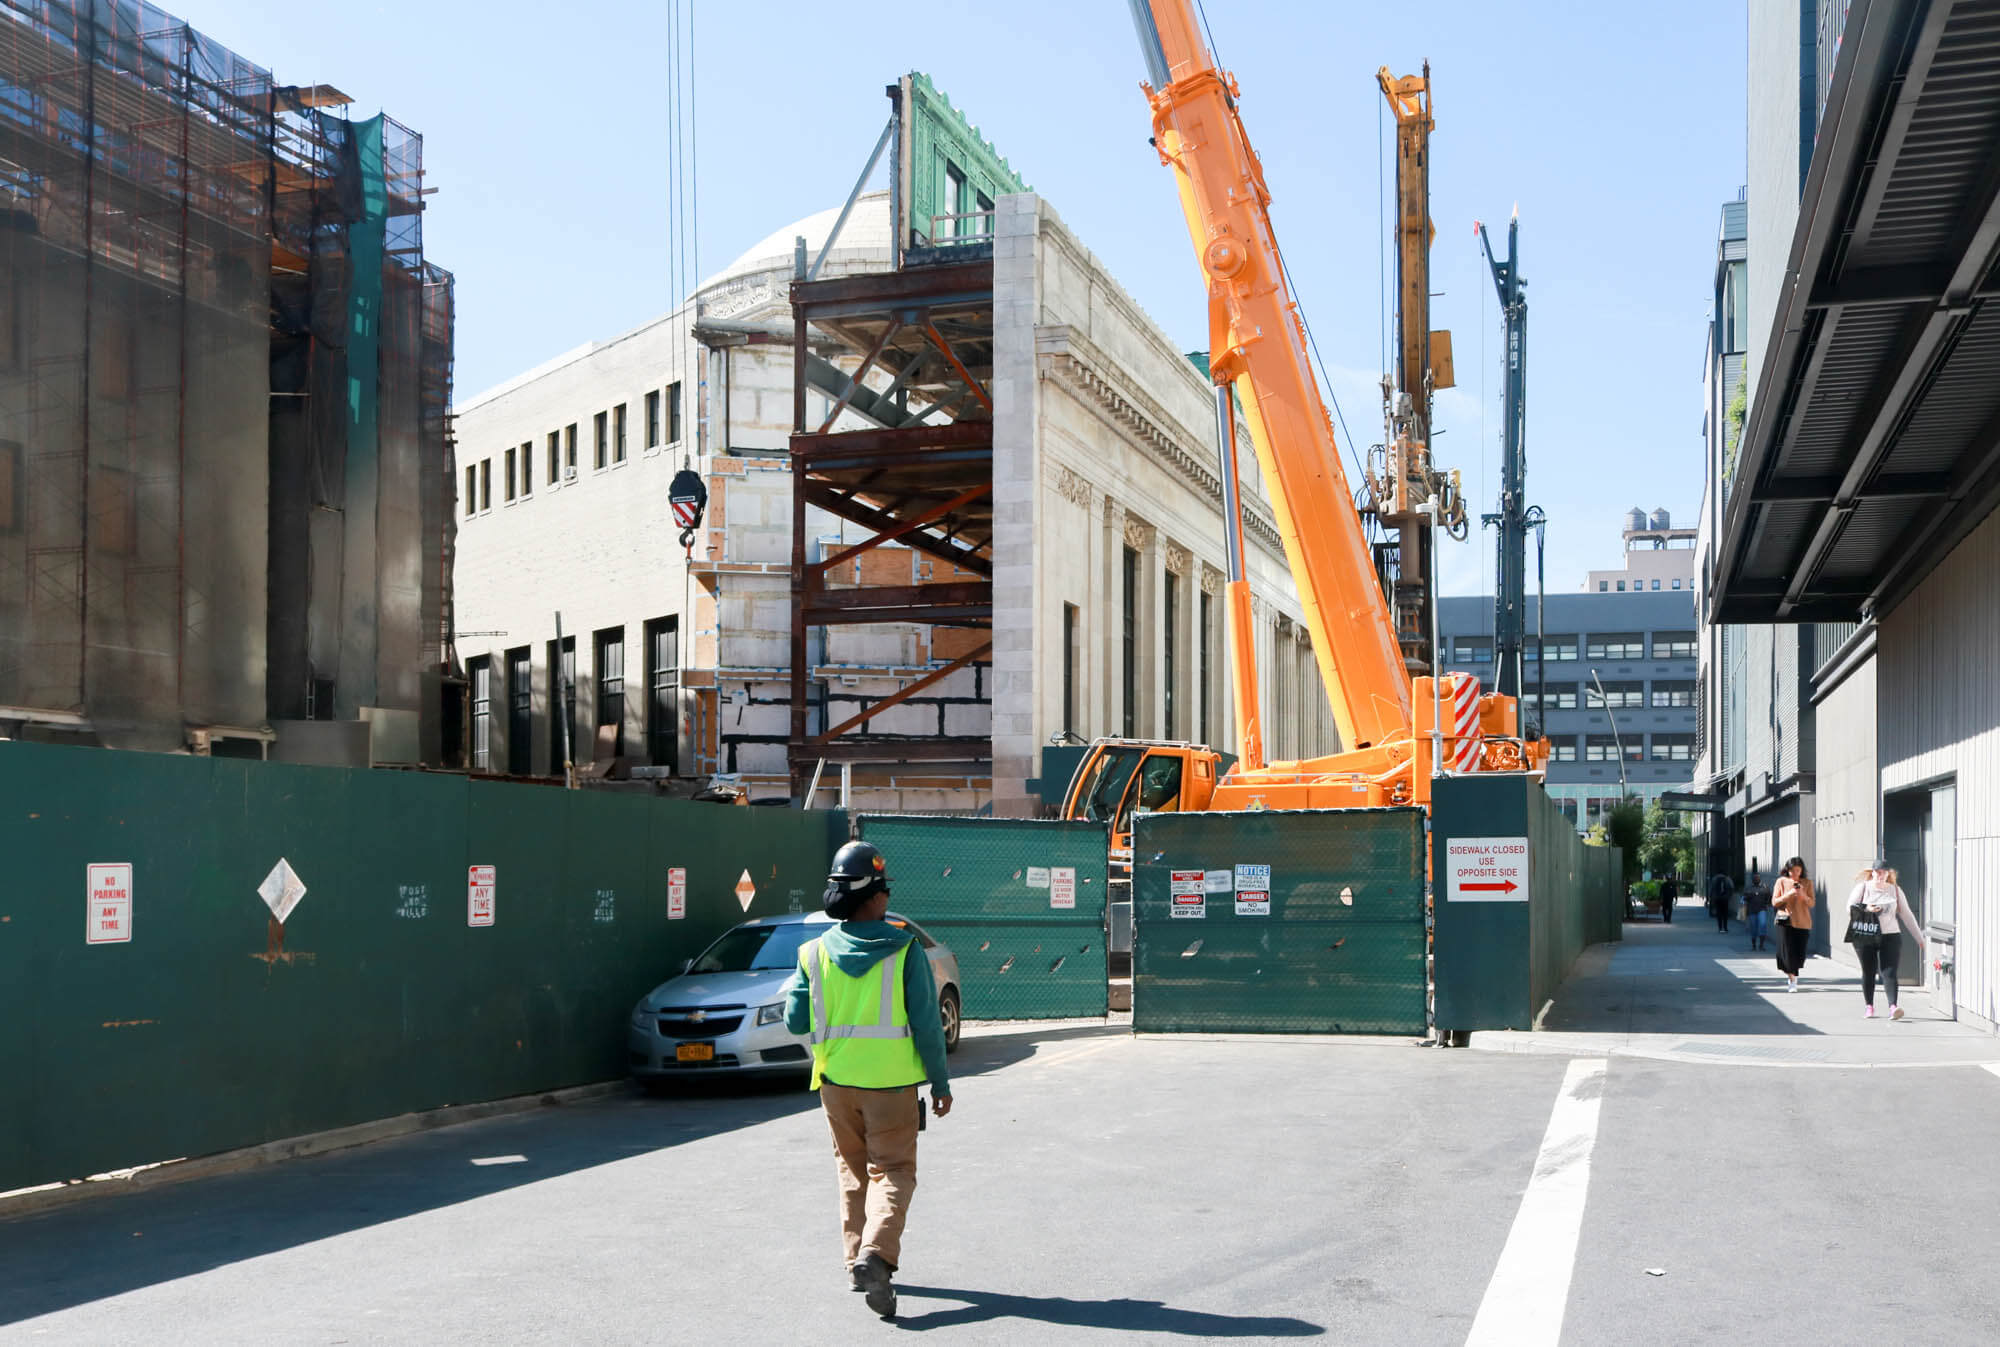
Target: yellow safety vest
[(860, 1026)]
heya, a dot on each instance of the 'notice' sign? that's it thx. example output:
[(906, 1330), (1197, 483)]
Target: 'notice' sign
[(1486, 870)]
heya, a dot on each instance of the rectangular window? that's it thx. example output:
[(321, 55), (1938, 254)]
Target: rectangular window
[(610, 665), (1656, 584), (569, 450), (1069, 636), (520, 711), (1673, 645), (1203, 671), (485, 483), (562, 704), (984, 224), (480, 672), (1558, 648), (1604, 748), (1561, 696), (1170, 591), (674, 412), (653, 419), (618, 433), (528, 468), (1666, 694), (1130, 641), (955, 198), (1616, 645), (1618, 696), (1472, 652), (507, 482), (601, 443), (471, 489), (1621, 586), (1562, 748), (1603, 585), (663, 689), (555, 456), (1673, 748), (1677, 584)]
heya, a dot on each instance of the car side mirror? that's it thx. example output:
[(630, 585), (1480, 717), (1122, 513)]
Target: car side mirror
[(687, 966)]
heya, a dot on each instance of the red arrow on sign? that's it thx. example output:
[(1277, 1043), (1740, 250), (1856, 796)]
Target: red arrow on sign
[(1505, 886)]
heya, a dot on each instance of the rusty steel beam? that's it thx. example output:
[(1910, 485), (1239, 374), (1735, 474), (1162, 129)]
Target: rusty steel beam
[(963, 281), (854, 383), (854, 512), (937, 340), (977, 615), (936, 512), (900, 440), (903, 694)]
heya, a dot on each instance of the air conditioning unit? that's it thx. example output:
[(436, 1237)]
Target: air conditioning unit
[(569, 473)]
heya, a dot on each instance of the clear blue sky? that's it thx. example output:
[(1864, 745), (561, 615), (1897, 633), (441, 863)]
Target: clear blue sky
[(1618, 129)]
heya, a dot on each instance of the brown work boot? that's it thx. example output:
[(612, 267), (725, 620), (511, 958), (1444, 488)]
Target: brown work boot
[(871, 1276)]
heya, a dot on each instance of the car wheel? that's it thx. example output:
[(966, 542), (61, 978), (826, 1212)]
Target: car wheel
[(948, 1013)]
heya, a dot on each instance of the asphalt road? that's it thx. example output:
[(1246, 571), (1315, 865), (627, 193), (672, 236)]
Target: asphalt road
[(1090, 1186)]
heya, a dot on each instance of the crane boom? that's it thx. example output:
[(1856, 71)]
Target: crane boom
[(1257, 344)]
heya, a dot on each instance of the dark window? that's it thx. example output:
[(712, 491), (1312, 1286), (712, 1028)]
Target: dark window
[(1558, 648), (674, 412), (1069, 638), (472, 488), (555, 456), (569, 450), (485, 483), (507, 482), (1560, 697), (1130, 639), (480, 672), (1616, 645), (610, 665), (528, 468), (1203, 671), (984, 224), (601, 444), (520, 711), (1472, 652), (1562, 748), (618, 433), (1617, 696), (653, 419), (1603, 585), (1673, 748), (1604, 748), (1673, 645), (562, 704), (957, 200), (1170, 628), (1667, 694), (663, 687)]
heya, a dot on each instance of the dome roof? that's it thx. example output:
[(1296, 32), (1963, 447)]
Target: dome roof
[(865, 234)]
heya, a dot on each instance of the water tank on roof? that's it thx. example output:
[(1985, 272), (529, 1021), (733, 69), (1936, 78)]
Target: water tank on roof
[(1662, 520), (1635, 520)]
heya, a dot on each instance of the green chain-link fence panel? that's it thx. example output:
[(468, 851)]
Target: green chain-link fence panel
[(1019, 901), (1279, 922)]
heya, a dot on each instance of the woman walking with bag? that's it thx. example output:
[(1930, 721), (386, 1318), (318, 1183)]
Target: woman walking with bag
[(1878, 896), (1793, 901)]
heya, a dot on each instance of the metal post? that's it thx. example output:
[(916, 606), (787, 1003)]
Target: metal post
[(1242, 637), (895, 92), (565, 697), (1437, 655), (1617, 743), (874, 157)]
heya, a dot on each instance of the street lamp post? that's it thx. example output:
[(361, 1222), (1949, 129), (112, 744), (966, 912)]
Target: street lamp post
[(1624, 792)]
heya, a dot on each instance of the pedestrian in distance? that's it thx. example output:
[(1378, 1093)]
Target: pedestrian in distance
[(1670, 893), (865, 994), (1877, 894), (1757, 913), (1793, 901), (1721, 893)]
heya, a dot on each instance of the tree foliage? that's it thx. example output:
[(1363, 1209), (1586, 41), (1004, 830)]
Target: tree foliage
[(1625, 826), (1666, 846)]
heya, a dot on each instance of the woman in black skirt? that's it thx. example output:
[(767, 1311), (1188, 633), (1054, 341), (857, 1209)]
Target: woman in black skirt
[(1792, 900)]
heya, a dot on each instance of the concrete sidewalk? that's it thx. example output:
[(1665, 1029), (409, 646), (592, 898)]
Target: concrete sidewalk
[(1687, 992)]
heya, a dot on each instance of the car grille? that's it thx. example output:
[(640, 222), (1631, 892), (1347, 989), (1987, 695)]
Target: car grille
[(791, 1052), (713, 1026)]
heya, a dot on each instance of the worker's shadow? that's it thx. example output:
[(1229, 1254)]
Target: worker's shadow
[(1137, 1316)]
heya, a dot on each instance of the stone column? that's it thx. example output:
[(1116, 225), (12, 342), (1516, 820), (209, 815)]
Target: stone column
[(1017, 590)]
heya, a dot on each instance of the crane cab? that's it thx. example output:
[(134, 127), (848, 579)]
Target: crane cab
[(1118, 778)]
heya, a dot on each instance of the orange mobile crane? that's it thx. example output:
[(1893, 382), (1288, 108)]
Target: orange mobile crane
[(1397, 732)]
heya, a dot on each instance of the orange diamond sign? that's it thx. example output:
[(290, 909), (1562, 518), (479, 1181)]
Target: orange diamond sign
[(745, 890)]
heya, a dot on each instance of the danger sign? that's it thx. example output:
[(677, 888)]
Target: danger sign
[(1486, 870), (110, 893), (479, 887)]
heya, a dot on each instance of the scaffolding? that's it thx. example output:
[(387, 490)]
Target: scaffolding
[(186, 267)]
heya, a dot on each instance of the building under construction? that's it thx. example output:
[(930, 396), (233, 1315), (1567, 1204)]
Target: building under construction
[(225, 374)]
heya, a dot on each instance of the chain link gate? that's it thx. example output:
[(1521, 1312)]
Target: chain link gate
[(1019, 901), (1308, 921)]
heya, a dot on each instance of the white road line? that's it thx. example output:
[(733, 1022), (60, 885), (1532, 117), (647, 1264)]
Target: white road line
[(1524, 1302)]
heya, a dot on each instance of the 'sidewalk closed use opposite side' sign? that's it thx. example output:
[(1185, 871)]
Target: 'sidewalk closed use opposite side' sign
[(1486, 870)]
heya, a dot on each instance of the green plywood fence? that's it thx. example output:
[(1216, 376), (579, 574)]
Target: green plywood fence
[(1499, 962), (1338, 948), (209, 1029), (987, 887)]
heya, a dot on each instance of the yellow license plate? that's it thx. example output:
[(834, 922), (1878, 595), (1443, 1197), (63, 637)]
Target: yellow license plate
[(694, 1052)]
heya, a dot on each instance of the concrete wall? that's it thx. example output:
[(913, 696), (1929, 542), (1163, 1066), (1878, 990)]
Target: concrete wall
[(1776, 178), (1846, 836), (1940, 722)]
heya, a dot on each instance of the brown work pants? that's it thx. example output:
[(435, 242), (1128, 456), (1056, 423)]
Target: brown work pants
[(875, 1151)]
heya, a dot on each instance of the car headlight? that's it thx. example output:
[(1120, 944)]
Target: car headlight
[(770, 1014), (640, 1015)]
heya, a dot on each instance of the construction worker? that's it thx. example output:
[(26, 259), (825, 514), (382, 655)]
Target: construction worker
[(865, 994)]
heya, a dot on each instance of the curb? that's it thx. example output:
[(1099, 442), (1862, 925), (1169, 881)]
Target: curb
[(29, 1201)]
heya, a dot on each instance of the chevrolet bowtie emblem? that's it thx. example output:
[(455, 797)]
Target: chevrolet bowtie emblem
[(697, 1017)]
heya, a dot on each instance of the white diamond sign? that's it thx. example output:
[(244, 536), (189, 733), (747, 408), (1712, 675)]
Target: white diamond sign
[(281, 890), (745, 890)]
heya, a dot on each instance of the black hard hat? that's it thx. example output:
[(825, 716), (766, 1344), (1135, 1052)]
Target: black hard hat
[(859, 873)]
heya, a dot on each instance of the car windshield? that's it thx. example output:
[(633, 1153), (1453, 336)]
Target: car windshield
[(1105, 786), (748, 949)]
